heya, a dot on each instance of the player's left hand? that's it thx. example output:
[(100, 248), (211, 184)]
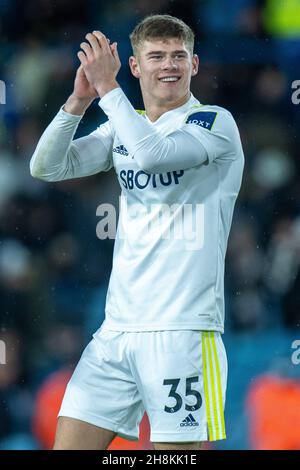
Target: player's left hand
[(100, 61)]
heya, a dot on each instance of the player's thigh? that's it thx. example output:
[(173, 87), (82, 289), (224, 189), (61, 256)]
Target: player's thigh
[(177, 445), (73, 434)]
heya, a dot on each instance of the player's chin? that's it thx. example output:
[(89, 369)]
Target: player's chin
[(167, 89), (168, 93)]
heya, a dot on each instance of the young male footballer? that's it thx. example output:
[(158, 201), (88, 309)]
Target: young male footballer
[(179, 165)]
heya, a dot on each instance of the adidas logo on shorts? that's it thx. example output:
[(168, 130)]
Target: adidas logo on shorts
[(121, 149), (189, 421)]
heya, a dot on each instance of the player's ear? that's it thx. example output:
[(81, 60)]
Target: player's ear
[(195, 64), (134, 66)]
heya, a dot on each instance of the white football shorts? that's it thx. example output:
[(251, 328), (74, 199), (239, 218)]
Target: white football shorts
[(178, 377)]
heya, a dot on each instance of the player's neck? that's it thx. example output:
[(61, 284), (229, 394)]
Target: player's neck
[(156, 109)]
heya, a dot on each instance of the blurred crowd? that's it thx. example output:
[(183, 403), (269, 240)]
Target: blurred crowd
[(53, 269)]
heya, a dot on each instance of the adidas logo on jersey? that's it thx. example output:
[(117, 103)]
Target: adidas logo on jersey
[(189, 421), (121, 149)]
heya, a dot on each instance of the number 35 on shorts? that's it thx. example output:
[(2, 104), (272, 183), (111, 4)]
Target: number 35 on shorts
[(189, 391)]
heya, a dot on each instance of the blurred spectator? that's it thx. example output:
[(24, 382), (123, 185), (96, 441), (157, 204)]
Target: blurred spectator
[(283, 268), (30, 79), (47, 405), (15, 399), (270, 87), (245, 265), (236, 17)]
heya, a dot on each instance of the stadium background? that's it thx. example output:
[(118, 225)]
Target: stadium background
[(53, 269)]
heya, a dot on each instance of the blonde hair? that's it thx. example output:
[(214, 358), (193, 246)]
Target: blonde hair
[(161, 27)]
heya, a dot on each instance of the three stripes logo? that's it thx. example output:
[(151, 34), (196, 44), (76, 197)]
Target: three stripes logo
[(189, 421), (121, 149)]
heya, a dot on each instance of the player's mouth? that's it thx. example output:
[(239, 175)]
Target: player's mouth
[(169, 79)]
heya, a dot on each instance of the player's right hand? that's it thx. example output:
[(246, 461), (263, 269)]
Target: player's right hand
[(82, 89)]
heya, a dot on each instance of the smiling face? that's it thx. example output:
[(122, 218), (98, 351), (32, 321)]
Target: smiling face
[(164, 68)]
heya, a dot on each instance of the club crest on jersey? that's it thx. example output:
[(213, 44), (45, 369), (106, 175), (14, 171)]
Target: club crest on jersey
[(121, 149), (204, 119)]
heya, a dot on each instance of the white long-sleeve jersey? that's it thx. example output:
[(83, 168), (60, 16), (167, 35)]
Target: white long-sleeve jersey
[(179, 178)]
